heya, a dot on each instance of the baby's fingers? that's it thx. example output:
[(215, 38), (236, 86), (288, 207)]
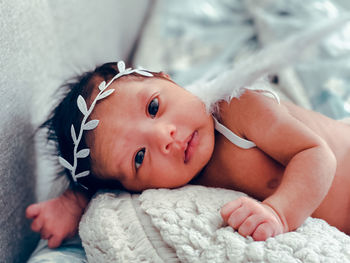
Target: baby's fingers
[(32, 211), (263, 232), (37, 224), (45, 233), (54, 241), (228, 208), (249, 226), (238, 216)]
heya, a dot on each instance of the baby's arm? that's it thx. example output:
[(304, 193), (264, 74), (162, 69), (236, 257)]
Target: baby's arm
[(309, 169), (58, 219)]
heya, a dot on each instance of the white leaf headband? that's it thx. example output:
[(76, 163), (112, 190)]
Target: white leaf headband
[(93, 123)]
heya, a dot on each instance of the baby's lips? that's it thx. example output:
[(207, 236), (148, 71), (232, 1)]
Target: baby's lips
[(192, 143)]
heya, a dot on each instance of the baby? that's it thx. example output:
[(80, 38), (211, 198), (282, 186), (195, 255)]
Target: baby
[(137, 130)]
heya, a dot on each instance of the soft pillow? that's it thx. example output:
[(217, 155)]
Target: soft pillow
[(185, 225)]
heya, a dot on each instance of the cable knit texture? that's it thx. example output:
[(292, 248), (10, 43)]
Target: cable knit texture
[(184, 225)]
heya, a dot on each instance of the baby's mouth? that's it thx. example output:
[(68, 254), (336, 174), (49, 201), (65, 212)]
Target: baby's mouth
[(192, 142)]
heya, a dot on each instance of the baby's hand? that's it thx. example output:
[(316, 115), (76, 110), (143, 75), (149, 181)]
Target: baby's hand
[(252, 218), (56, 219)]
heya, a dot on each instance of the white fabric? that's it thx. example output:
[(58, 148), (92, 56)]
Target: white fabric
[(232, 137), (185, 225)]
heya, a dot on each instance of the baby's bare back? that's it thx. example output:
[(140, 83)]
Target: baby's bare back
[(257, 174)]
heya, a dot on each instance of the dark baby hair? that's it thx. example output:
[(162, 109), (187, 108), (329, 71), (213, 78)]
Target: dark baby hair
[(67, 113)]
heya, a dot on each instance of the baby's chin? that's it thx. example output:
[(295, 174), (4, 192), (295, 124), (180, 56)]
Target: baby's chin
[(195, 178)]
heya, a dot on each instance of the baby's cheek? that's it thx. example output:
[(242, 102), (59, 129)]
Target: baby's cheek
[(175, 179), (135, 186)]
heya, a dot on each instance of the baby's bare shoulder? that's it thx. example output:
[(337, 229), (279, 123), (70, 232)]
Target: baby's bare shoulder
[(270, 125), (251, 102), (252, 110)]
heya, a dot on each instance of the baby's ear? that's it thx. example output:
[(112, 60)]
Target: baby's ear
[(164, 75)]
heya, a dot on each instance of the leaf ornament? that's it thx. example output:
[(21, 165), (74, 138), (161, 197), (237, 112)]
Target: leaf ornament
[(121, 66), (73, 134), (92, 124), (65, 163), (105, 94), (82, 174), (82, 105), (83, 153), (102, 86), (144, 73)]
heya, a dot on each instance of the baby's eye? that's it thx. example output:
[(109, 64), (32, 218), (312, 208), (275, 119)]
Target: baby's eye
[(139, 158), (153, 107)]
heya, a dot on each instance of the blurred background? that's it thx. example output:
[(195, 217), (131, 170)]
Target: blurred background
[(189, 39)]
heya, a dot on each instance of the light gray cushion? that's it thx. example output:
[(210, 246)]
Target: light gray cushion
[(21, 67), (42, 43)]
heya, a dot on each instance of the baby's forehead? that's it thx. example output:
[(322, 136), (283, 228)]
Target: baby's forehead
[(115, 115), (106, 162), (129, 96)]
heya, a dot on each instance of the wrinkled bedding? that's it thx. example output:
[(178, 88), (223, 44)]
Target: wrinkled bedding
[(184, 225)]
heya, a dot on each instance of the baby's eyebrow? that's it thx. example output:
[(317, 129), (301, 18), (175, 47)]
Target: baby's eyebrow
[(142, 95)]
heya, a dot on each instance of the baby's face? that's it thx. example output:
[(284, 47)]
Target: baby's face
[(152, 134)]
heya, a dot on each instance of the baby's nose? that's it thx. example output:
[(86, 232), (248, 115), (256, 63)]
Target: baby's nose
[(166, 138)]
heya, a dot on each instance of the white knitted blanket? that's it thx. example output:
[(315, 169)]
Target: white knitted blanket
[(184, 225)]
